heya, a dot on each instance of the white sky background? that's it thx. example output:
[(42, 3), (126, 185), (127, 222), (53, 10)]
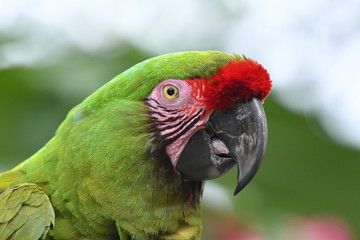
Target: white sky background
[(310, 47)]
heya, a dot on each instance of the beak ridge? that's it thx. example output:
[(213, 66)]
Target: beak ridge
[(243, 129)]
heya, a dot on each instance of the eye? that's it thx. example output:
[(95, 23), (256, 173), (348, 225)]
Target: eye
[(170, 91)]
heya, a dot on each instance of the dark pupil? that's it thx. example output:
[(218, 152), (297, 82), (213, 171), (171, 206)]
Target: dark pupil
[(170, 91)]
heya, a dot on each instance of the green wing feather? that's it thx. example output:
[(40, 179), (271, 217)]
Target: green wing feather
[(25, 213)]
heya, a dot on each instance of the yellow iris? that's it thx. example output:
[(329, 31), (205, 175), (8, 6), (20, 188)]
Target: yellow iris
[(170, 91)]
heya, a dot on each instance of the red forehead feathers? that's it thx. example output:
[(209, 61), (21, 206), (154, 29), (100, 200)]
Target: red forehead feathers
[(237, 81)]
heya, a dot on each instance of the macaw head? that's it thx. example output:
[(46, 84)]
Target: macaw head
[(213, 120), (203, 112)]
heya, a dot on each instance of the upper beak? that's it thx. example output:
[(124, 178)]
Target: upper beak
[(237, 135)]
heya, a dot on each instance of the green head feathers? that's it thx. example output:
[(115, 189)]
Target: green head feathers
[(137, 82)]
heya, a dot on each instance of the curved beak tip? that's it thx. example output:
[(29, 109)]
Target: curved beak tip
[(244, 179)]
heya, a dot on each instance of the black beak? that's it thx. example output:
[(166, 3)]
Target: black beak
[(237, 135)]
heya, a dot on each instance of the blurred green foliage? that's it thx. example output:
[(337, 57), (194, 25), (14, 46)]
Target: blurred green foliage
[(34, 101), (304, 172)]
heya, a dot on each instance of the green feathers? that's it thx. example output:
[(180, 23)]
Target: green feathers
[(98, 171), (137, 82), (25, 213)]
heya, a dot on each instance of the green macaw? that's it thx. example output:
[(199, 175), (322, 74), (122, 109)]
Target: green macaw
[(130, 161)]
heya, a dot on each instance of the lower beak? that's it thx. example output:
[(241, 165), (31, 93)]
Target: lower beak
[(237, 135)]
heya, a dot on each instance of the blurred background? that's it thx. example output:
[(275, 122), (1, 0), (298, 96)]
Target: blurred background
[(53, 54)]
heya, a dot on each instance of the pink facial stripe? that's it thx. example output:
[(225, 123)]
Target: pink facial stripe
[(172, 133)]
